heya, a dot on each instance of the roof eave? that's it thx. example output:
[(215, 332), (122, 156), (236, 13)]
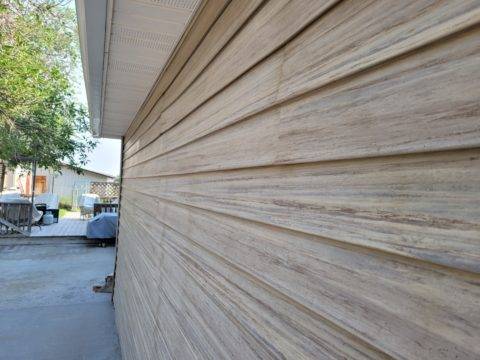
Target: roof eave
[(94, 18)]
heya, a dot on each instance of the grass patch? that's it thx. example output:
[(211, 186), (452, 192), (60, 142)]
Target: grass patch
[(62, 212)]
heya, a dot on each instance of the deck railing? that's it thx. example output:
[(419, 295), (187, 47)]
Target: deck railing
[(14, 217), (99, 208)]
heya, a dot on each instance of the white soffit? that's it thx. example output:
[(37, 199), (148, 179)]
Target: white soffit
[(143, 36), (140, 36)]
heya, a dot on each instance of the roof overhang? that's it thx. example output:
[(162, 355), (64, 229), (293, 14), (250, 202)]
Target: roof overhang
[(92, 19), (125, 44)]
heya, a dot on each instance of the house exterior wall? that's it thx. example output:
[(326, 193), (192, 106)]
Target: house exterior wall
[(62, 184), (303, 183), (65, 183)]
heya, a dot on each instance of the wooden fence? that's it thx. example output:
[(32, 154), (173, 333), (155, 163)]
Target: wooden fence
[(99, 208), (106, 190)]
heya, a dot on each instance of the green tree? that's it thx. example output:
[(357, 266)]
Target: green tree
[(39, 114)]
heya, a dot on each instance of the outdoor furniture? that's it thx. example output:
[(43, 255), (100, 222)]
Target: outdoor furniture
[(14, 217), (51, 201), (16, 198), (103, 226), (99, 208), (86, 205), (7, 196), (15, 214)]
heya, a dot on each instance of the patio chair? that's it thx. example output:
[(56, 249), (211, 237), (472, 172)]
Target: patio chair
[(86, 204)]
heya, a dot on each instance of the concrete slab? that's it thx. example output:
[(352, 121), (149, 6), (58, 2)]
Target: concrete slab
[(47, 308), (80, 331)]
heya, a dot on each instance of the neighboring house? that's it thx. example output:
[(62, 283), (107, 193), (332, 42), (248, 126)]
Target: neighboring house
[(300, 178), (67, 184)]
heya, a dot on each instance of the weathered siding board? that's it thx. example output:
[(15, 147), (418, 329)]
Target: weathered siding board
[(341, 280), (338, 43), (420, 206), (206, 15), (362, 117), (143, 337), (253, 324), (303, 183), (277, 21), (222, 31)]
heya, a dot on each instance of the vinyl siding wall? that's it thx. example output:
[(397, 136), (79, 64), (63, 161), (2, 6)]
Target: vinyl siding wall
[(62, 184), (303, 182)]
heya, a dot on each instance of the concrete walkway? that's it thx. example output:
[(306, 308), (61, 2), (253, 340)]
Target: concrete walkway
[(47, 308)]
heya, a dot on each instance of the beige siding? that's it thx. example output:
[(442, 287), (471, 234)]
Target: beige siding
[(303, 183)]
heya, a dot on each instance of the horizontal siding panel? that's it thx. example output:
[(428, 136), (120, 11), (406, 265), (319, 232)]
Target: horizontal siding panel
[(277, 21), (136, 337), (366, 116), (168, 336), (301, 183), (225, 29), (420, 206), (206, 15), (239, 319), (345, 41), (199, 315), (366, 293), (234, 16)]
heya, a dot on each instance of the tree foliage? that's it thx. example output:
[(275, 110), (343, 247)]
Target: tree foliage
[(39, 114)]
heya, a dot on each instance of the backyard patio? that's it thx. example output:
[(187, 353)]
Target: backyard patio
[(46, 219), (69, 225)]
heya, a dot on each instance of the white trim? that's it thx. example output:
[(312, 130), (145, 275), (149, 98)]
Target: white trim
[(91, 18), (116, 58), (82, 34), (108, 31)]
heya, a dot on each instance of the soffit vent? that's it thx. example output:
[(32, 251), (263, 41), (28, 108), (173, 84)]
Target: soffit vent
[(175, 4), (143, 34)]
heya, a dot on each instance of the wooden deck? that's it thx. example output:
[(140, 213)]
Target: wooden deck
[(69, 225)]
